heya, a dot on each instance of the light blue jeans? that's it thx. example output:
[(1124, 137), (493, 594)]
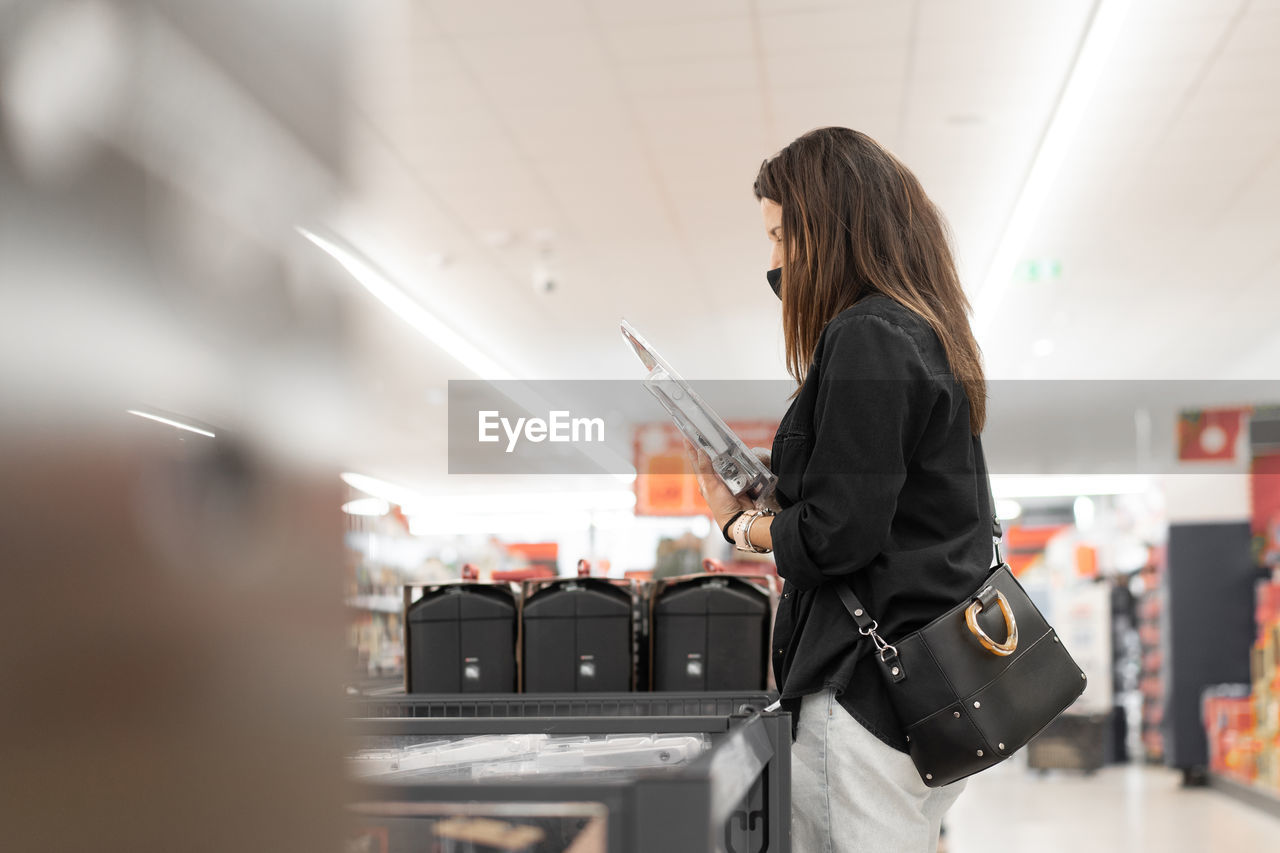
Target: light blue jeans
[(853, 793)]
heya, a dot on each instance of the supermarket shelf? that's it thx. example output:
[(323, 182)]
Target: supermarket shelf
[(679, 704), (399, 727), (1254, 795)]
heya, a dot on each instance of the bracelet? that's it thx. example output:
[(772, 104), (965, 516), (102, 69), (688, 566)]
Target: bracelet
[(742, 531), (756, 549), (724, 531)]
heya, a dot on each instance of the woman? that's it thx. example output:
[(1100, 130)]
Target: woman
[(879, 466)]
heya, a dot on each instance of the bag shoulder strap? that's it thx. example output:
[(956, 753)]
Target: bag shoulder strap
[(997, 532), (855, 608), (859, 613)]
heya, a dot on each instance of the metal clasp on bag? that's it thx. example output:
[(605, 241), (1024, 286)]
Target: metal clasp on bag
[(881, 644), (1010, 623)]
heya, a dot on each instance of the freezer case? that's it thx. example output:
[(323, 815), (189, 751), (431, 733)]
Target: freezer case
[(624, 778)]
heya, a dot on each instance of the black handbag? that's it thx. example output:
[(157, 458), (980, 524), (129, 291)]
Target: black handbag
[(966, 699)]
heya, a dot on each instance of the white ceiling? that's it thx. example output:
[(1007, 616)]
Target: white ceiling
[(616, 142)]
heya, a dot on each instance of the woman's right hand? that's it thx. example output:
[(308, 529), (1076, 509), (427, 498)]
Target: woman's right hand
[(724, 504)]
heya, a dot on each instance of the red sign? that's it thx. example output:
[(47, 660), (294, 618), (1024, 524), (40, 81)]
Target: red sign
[(1210, 435), (1264, 495), (1264, 490), (665, 484)]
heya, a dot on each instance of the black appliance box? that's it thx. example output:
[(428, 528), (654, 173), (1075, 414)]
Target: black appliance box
[(710, 633), (577, 636), (461, 638)]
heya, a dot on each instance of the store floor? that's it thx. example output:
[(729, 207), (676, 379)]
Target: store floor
[(1121, 809)]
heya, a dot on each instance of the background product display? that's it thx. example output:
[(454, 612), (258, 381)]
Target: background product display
[(577, 636), (461, 638), (710, 634), (694, 632)]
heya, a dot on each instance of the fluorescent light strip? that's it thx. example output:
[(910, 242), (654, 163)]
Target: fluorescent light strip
[(466, 353), (528, 502), (469, 355), (545, 524), (409, 309), (390, 492), (1098, 43), (170, 422), (414, 503), (1010, 486), (366, 506)]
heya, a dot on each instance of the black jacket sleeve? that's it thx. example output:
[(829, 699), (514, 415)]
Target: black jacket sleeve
[(874, 399)]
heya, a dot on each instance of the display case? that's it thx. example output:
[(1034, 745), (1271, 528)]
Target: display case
[(623, 773)]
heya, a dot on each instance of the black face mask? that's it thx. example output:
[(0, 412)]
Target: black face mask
[(775, 281)]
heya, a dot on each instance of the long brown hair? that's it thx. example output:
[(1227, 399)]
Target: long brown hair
[(855, 221)]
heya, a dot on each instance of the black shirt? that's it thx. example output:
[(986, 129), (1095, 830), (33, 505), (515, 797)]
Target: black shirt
[(878, 476)]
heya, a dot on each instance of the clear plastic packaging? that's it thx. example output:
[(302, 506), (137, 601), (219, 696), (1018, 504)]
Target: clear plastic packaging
[(375, 762), (735, 464), (469, 751), (506, 756), (616, 753)]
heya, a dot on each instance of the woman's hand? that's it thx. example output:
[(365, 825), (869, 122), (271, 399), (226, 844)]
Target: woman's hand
[(723, 503)]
